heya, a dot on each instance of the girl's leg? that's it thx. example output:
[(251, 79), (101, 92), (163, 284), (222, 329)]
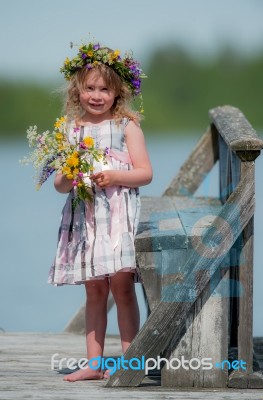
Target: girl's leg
[(96, 322), (123, 290)]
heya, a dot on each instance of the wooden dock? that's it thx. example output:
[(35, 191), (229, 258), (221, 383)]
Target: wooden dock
[(25, 373)]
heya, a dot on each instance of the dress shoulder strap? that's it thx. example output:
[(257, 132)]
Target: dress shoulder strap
[(126, 121), (81, 134)]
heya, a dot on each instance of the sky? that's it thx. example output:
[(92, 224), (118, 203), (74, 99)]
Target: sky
[(35, 34)]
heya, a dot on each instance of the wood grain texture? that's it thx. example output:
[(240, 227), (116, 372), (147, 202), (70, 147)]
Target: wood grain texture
[(25, 373), (205, 333), (245, 329), (167, 319), (236, 131)]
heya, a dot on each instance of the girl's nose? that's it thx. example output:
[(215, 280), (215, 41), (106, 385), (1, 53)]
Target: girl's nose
[(96, 95)]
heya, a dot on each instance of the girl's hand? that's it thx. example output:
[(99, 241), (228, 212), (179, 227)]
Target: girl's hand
[(62, 183), (104, 178)]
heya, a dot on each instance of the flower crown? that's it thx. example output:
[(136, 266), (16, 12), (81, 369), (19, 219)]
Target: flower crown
[(91, 54)]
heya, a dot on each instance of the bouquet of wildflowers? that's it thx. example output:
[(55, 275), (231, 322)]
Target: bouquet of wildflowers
[(53, 152)]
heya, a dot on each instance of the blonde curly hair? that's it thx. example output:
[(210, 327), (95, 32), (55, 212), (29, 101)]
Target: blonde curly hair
[(122, 105)]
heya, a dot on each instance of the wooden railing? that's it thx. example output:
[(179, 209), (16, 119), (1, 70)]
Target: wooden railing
[(228, 236)]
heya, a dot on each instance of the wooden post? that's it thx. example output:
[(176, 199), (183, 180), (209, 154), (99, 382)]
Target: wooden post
[(246, 378), (196, 167)]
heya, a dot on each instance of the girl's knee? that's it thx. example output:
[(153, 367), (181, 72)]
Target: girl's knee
[(123, 293), (97, 290)]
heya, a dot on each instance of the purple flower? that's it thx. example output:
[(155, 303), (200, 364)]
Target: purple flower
[(46, 171), (74, 183), (96, 46), (136, 83), (76, 130), (80, 174), (83, 55), (106, 151), (89, 66), (82, 146)]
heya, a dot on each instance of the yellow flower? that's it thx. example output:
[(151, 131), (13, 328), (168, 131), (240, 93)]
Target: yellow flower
[(59, 122), (66, 170), (79, 184), (67, 61), (91, 168), (69, 176), (90, 53), (72, 161), (75, 171), (116, 53), (59, 136), (89, 141)]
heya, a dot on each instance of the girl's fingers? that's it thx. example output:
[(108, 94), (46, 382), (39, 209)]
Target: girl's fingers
[(98, 178)]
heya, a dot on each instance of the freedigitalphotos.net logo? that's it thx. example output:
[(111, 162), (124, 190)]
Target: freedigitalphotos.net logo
[(113, 364)]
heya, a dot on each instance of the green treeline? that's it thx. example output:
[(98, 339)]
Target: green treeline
[(177, 94), (180, 91), (23, 104)]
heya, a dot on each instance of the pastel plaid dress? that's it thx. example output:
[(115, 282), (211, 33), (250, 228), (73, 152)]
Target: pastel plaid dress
[(96, 239)]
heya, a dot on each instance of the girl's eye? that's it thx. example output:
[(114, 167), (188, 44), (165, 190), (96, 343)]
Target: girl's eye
[(104, 89)]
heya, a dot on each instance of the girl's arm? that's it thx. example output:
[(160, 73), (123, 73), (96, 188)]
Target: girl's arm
[(62, 183), (141, 174)]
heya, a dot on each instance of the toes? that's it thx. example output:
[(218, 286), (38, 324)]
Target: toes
[(107, 374)]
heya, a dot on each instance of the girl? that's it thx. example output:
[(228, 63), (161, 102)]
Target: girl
[(96, 239)]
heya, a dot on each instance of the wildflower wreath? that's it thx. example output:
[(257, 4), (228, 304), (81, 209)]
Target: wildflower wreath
[(53, 152), (91, 54)]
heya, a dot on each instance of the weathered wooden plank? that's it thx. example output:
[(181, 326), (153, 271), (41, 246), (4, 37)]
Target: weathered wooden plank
[(224, 170), (202, 339), (182, 203), (196, 220), (236, 131), (25, 373), (149, 263), (245, 329), (167, 318), (229, 170), (235, 164), (196, 167), (239, 380), (160, 226), (170, 227)]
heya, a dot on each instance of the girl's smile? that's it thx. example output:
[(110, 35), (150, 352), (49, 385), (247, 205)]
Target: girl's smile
[(96, 99)]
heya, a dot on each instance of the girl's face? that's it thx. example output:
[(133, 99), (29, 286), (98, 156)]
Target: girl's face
[(96, 99)]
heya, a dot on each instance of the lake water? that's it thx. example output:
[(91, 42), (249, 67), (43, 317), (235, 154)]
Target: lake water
[(29, 224)]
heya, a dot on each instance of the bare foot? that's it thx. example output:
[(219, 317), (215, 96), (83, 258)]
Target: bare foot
[(107, 374), (83, 374)]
